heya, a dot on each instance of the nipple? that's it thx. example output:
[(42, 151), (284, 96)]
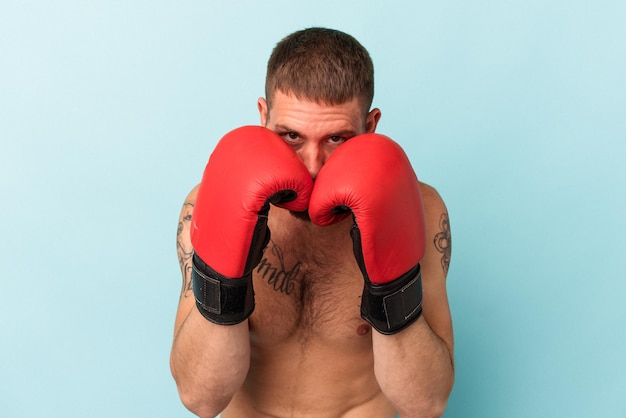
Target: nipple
[(363, 329)]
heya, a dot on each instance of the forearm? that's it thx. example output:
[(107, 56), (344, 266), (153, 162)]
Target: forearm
[(209, 363), (414, 369)]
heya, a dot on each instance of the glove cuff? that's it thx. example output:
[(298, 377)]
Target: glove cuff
[(391, 307), (221, 300)]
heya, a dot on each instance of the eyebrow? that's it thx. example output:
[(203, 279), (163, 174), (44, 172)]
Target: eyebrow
[(345, 132), (284, 128)]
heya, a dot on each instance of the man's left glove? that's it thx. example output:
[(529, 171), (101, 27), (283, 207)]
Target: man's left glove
[(371, 176)]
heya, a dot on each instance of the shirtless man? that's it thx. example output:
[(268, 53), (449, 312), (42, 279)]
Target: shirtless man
[(310, 324)]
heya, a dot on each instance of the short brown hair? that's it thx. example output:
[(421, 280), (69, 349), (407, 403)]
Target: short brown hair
[(322, 65)]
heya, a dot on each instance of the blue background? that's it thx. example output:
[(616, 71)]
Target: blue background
[(514, 110)]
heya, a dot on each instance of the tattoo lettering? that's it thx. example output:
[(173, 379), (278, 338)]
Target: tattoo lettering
[(279, 277), (443, 242), (184, 249)]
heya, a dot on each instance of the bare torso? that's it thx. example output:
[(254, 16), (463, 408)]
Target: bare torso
[(311, 353)]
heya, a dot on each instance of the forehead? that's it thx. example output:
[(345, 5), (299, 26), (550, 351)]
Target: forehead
[(302, 114)]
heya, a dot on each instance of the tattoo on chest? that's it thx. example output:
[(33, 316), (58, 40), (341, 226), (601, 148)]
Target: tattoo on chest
[(276, 273), (443, 242)]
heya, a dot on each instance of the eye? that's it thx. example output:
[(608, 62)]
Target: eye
[(336, 139), (289, 136)]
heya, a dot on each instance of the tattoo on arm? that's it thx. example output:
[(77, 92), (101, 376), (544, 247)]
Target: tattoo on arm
[(443, 242), (184, 249)]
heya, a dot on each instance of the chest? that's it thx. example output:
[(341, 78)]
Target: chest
[(307, 284)]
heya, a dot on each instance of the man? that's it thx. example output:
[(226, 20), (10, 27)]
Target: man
[(330, 301)]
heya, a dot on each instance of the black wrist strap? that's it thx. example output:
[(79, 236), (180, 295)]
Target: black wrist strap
[(393, 306), (220, 299)]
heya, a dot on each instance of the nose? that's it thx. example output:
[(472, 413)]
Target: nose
[(313, 157)]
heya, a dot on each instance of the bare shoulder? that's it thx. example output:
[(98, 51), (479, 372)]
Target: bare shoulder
[(433, 203), (191, 197)]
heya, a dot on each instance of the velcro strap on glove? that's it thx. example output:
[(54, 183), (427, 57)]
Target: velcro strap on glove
[(221, 300), (391, 307)]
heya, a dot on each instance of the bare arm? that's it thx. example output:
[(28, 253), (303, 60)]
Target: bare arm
[(209, 362), (415, 368)]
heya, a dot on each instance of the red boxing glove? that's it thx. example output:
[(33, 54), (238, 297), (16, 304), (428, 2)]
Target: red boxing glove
[(371, 176), (250, 168)]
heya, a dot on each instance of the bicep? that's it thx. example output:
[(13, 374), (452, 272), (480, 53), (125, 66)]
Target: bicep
[(435, 264), (184, 251)]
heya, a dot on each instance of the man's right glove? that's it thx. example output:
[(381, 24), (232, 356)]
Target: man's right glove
[(250, 168)]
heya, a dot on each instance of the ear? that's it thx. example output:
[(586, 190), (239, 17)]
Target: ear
[(262, 106), (372, 119)]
